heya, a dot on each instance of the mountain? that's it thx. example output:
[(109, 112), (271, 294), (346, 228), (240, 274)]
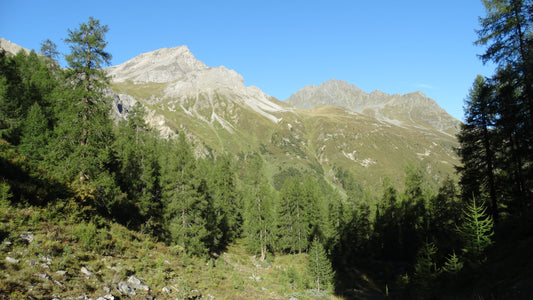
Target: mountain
[(414, 109), (374, 135), (11, 48)]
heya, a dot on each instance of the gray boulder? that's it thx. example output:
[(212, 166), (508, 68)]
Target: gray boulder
[(12, 260), (27, 237), (125, 289), (137, 284)]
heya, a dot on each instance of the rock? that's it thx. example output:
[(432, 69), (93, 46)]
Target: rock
[(61, 273), (166, 290), (7, 243), (137, 284), (125, 289), (12, 260), (47, 259), (45, 266), (43, 276), (86, 271), (32, 263), (27, 237), (106, 297)]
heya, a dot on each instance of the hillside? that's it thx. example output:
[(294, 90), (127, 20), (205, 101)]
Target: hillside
[(373, 135)]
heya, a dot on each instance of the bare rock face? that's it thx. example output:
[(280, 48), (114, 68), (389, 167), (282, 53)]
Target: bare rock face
[(10, 47), (163, 65), (187, 84), (414, 109)]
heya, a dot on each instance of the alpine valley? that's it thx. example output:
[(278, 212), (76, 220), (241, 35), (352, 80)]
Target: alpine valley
[(317, 129)]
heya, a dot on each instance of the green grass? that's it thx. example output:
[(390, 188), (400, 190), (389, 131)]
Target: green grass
[(114, 253)]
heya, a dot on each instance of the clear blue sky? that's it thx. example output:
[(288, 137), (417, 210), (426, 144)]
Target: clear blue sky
[(282, 46)]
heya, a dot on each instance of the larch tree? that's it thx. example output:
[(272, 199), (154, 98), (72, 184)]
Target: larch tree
[(476, 232), (49, 49), (81, 151)]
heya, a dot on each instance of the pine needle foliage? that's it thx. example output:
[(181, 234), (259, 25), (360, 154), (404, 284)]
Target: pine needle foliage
[(476, 232)]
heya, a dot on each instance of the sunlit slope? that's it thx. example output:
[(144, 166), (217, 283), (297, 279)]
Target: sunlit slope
[(218, 113)]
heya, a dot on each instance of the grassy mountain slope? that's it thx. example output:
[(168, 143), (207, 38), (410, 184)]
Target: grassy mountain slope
[(45, 255), (219, 113)]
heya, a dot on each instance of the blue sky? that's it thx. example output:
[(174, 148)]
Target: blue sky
[(282, 46)]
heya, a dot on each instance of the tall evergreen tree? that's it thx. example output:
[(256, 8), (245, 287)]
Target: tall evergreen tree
[(293, 217), (187, 206), (49, 49), (259, 219), (476, 140), (425, 270), (476, 232), (228, 204), (34, 134), (81, 150), (388, 234), (320, 266), (136, 148)]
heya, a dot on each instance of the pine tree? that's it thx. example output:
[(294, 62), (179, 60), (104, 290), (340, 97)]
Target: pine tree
[(476, 232), (320, 266)]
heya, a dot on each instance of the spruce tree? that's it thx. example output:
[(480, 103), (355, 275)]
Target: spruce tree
[(34, 134), (477, 140), (227, 202), (187, 206), (259, 219), (320, 266), (425, 270), (293, 217)]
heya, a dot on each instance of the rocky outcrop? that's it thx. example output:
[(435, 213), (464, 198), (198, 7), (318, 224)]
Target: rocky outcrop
[(163, 65), (414, 109), (11, 48)]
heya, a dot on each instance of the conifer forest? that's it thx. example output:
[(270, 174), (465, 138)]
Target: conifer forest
[(96, 188)]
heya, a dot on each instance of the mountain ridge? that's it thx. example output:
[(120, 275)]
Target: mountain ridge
[(396, 108), (218, 113)]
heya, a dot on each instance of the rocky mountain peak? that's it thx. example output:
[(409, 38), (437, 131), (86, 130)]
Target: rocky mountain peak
[(163, 65), (413, 109), (11, 48)]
